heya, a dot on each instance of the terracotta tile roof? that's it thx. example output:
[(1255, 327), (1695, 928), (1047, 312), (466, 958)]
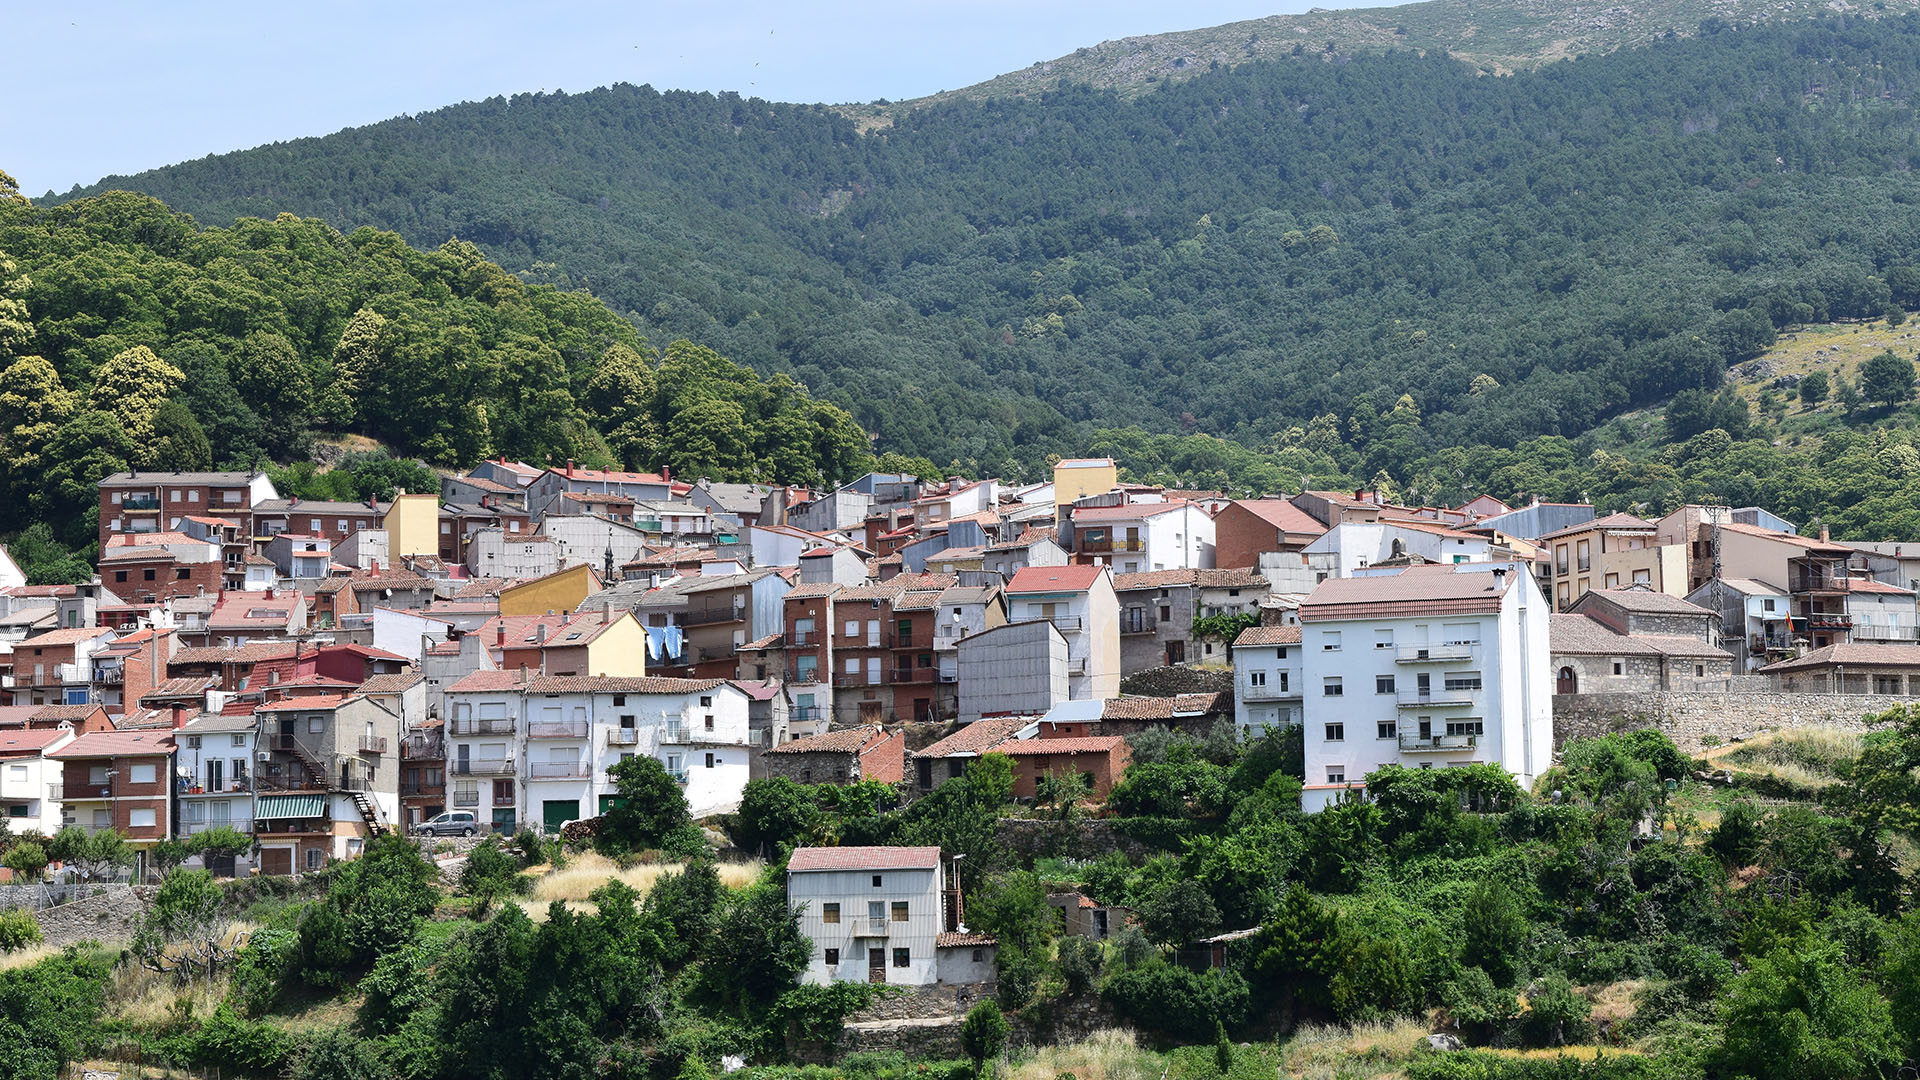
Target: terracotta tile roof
[(186, 686), (1230, 579), (758, 644), (612, 476), (18, 715), (1024, 540), (1137, 708), (53, 714), (315, 702), (237, 654), (949, 939), (1467, 589), (1792, 539), (918, 582), (480, 587), (1187, 704), (846, 741), (808, 859), (1054, 579), (1268, 635), (922, 600), (978, 737), (758, 689), (488, 681), (564, 630), (1578, 635), (1648, 602), (887, 591), (1282, 515), (814, 589), (1868, 585), (1129, 512), (71, 635), (399, 682), (1085, 744), (118, 744), (29, 741), (1852, 654), (617, 684), (1154, 579), (1611, 521)]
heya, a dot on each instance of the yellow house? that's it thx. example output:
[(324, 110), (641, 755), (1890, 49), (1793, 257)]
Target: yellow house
[(562, 590), (1077, 478), (413, 525)]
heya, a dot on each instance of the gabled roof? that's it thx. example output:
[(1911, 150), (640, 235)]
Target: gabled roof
[(175, 479), (1646, 602), (1620, 522), (1054, 579), (846, 741), (1268, 635), (1127, 512), (977, 738), (397, 683), (1790, 539), (186, 686), (490, 681), (808, 859), (1084, 744), (1579, 635), (26, 742), (71, 635), (139, 743), (1471, 588), (237, 654), (1869, 585), (607, 476), (1282, 515), (1853, 655)]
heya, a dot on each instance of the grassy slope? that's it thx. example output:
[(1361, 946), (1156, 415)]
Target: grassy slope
[(1496, 37)]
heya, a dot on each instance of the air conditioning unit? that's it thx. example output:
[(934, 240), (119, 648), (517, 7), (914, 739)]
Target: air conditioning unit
[(263, 756)]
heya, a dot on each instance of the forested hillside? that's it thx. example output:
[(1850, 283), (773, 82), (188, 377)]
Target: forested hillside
[(130, 335), (1238, 253)]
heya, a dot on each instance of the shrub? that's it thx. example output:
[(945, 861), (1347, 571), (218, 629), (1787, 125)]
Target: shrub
[(983, 1034), (1556, 1015), (1079, 961), (18, 929), (1181, 1003), (230, 1042)]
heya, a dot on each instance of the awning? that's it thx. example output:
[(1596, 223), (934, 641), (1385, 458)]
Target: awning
[(291, 806)]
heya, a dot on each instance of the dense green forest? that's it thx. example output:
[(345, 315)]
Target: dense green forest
[(129, 335), (1623, 921), (1234, 254)]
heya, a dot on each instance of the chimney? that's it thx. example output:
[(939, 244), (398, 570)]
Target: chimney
[(1823, 534), (540, 633), (566, 617), (666, 473), (500, 634), (179, 716), (269, 592), (606, 611), (569, 466), (376, 567)]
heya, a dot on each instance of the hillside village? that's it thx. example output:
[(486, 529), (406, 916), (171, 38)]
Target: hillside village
[(316, 674)]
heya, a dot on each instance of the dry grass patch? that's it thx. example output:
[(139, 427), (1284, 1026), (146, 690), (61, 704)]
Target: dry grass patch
[(1328, 1050), (27, 957), (587, 872), (1808, 756), (148, 999), (1107, 1054)]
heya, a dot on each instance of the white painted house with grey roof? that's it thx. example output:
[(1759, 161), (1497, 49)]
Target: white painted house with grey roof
[(883, 915)]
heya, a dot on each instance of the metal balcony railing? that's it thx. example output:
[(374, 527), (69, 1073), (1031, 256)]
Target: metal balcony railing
[(468, 725), (709, 616), (1434, 744), (466, 798), (623, 737), (194, 828), (373, 744), (422, 746), (557, 770), (557, 729), (139, 502), (1138, 626), (1432, 654), (1068, 622), (674, 733), (802, 640), (1435, 698), (56, 792), (910, 675), (110, 676), (483, 767), (1269, 692)]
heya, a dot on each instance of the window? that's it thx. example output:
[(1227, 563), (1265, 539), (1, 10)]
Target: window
[(1332, 688), (173, 496), (1383, 639), (1256, 678), (1330, 641), (899, 911), (1699, 671), (314, 855), (182, 574), (853, 627), (1619, 667), (1283, 682), (119, 575), (830, 913), (193, 742), (1613, 581), (876, 881), (1336, 732), (1643, 577), (1462, 680), (193, 496), (832, 957), (316, 724), (141, 774), (141, 817), (1466, 727), (1336, 774), (706, 703), (1388, 729), (239, 740), (902, 957), (147, 574), (97, 774), (1383, 684), (709, 761)]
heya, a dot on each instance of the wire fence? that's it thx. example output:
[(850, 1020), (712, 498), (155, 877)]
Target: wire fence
[(53, 894)]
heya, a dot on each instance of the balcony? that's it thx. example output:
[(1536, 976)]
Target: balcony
[(557, 770), (56, 792), (674, 733), (801, 640), (140, 502), (871, 927), (1098, 547), (466, 798), (238, 786), (1434, 654), (1815, 583), (1139, 626), (1867, 632), (422, 746), (1067, 622), (373, 744), (679, 775), (1435, 699), (483, 767), (715, 652), (414, 789), (1436, 744), (1268, 692), (195, 828), (625, 736), (503, 798), (1828, 620), (297, 780), (110, 676), (859, 678), (806, 714), (494, 725), (557, 729), (710, 616), (911, 675), (72, 673)]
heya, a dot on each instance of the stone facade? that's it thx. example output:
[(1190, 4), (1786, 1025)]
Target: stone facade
[(110, 916), (1689, 717), (822, 767)]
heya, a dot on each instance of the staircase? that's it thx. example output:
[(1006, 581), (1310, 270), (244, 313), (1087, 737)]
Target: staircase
[(370, 812), (322, 778)]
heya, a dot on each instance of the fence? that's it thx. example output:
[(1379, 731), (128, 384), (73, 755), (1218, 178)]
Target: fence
[(42, 896)]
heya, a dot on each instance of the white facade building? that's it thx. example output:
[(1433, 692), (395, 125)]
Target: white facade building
[(1138, 537), (1425, 667), (1268, 676), (30, 785), (1355, 546), (879, 915)]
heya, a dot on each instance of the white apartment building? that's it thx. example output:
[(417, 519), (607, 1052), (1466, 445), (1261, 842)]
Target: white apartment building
[(1356, 545), (1425, 667), (1268, 676), (1135, 538), (879, 915), (537, 752), (30, 785), (1080, 602)]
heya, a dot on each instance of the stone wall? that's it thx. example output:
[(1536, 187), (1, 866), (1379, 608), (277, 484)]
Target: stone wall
[(110, 917), (1688, 718), (816, 767), (1168, 681), (1031, 838)]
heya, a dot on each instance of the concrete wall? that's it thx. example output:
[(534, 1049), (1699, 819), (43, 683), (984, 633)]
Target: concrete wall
[(1018, 668), (1689, 717)]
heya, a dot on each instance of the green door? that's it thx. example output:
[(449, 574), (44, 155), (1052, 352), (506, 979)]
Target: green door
[(608, 802), (557, 812), (503, 820)]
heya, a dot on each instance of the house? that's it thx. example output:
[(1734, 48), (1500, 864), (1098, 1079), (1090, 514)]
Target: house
[(962, 611), (152, 567), (1537, 519), (599, 542), (833, 563), (473, 487), (547, 488), (11, 576), (1333, 508), (1035, 547), (31, 785), (1141, 536), (741, 502), (1759, 615), (1355, 546), (769, 712), (1445, 664), (807, 613), (1880, 611), (847, 756), (1077, 478), (1850, 668), (1082, 916), (1080, 602), (120, 780), (948, 758), (1814, 571), (1158, 609), (725, 612), (1637, 641), (590, 643), (126, 669), (1269, 679), (423, 772), (300, 556), (1245, 529), (1195, 713), (561, 590), (1021, 667), (213, 766), (491, 551), (883, 915), (240, 617), (1100, 759), (56, 668), (1613, 552), (149, 502), (327, 776), (412, 524)]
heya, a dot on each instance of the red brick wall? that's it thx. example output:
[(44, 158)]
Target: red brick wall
[(1107, 769), (1239, 537), (27, 656), (146, 669), (127, 795), (167, 582)]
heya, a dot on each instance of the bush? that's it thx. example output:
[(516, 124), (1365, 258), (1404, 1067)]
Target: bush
[(983, 1034), (1556, 1015), (492, 873), (1079, 960), (1179, 1002), (230, 1042), (18, 929)]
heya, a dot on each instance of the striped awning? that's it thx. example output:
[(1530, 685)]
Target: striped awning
[(290, 806)]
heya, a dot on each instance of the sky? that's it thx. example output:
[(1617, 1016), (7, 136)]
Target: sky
[(98, 89)]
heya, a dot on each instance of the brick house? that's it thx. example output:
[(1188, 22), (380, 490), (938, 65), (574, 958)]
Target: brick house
[(152, 567), (56, 668), (331, 521), (847, 756), (120, 780), (1245, 529), (948, 758), (1102, 759), (149, 502)]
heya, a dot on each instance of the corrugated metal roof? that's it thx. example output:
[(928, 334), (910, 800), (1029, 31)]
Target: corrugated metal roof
[(863, 858)]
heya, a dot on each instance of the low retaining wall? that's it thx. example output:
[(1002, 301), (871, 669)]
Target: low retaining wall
[(111, 917), (1694, 719)]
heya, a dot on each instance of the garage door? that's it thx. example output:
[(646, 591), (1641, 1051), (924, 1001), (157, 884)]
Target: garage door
[(276, 860), (557, 812)]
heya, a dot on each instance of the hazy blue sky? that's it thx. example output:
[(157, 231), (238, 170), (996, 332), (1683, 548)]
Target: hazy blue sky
[(95, 89)]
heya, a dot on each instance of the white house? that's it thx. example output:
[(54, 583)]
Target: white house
[(484, 726), (402, 632), (1356, 545), (30, 785), (1080, 602), (1139, 537), (1268, 677), (1426, 666), (880, 915), (213, 764)]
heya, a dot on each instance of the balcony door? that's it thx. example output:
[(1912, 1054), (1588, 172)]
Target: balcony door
[(216, 775), (876, 965)]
